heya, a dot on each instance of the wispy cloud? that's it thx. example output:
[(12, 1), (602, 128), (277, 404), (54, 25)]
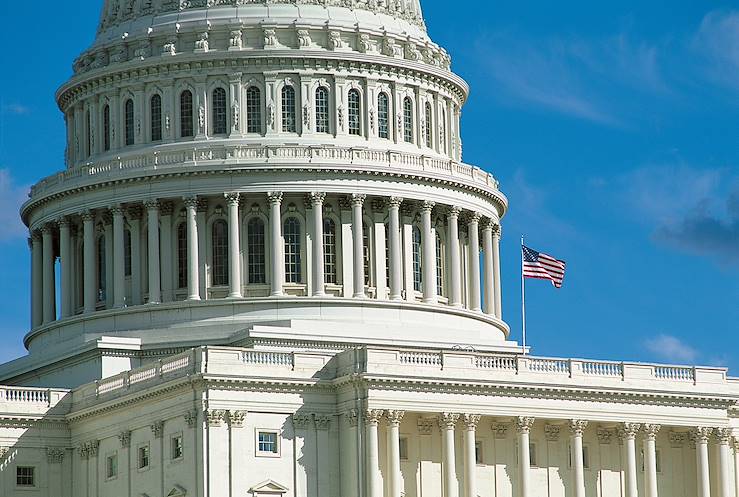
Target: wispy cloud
[(671, 349), (574, 77), (15, 109), (12, 196), (717, 40), (691, 209)]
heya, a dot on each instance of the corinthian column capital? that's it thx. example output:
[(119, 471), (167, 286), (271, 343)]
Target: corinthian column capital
[(524, 424), (232, 198), (448, 420), (470, 421), (650, 431), (394, 417), (373, 416), (577, 426)]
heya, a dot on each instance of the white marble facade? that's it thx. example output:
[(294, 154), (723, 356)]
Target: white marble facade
[(278, 278)]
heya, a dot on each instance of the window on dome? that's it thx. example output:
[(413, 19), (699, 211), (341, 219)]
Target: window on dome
[(408, 120), (429, 125), (366, 253), (219, 112), (111, 466), (186, 116), (383, 115), (329, 250), (322, 110), (256, 251), (182, 255), (288, 109), (253, 110), (439, 265), (416, 249), (106, 128), (127, 252), (220, 252), (88, 134), (101, 268), (291, 231), (156, 117), (129, 122), (354, 102), (25, 476)]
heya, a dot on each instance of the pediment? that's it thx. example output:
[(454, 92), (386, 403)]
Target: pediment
[(177, 491), (268, 487)]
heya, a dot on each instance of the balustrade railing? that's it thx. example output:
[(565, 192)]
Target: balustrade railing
[(421, 358), (266, 358), (25, 395)]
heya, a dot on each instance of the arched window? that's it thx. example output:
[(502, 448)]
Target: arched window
[(129, 122), (106, 128), (416, 247), (383, 115), (322, 112), (354, 104), (329, 250), (429, 125), (253, 110), (439, 266), (366, 253), (186, 117), (156, 117), (220, 252), (101, 269), (88, 134), (182, 255), (291, 232), (408, 120), (127, 252), (255, 248), (219, 111), (288, 109)]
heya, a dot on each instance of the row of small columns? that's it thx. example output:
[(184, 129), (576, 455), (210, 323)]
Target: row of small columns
[(43, 256), (627, 431)]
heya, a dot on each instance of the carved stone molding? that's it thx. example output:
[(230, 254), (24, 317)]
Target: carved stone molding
[(604, 435), (524, 424), (650, 431), (723, 435), (470, 421), (322, 421), (274, 197), (373, 416), (215, 417), (124, 438), (394, 417), (302, 421), (232, 198), (447, 420), (628, 431), (54, 455), (191, 417), (677, 438), (425, 426), (157, 429), (500, 430), (352, 417), (701, 434), (577, 427), (551, 432), (358, 199)]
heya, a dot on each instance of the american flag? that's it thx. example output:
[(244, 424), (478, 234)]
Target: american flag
[(542, 266)]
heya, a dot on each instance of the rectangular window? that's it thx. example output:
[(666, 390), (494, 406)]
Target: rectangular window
[(177, 447), (658, 461), (256, 253), (478, 452), (268, 443), (585, 457), (111, 466), (25, 476), (532, 455), (143, 456), (403, 448)]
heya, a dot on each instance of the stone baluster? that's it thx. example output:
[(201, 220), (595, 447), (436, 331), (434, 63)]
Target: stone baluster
[(152, 213), (193, 280), (447, 424), (393, 440), (396, 254), (358, 239), (577, 427), (278, 259), (428, 258), (523, 428), (319, 277), (234, 249), (650, 459)]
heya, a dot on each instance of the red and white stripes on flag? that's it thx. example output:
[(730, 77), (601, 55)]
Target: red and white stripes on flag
[(542, 266)]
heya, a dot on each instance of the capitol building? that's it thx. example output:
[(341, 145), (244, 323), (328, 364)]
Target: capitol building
[(266, 271)]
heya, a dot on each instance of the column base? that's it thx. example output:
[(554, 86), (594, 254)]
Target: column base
[(431, 301), (193, 297), (235, 296)]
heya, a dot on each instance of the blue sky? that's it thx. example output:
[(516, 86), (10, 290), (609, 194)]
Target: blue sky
[(613, 127)]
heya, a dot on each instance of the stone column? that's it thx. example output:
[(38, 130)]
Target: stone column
[(487, 249), (134, 219), (396, 254), (276, 245), (119, 264), (65, 256), (650, 459), (234, 248), (735, 443), (523, 428), (358, 239), (202, 264), (193, 280), (470, 422), (723, 437), (455, 295), (428, 255), (319, 278), (47, 244), (372, 468), (447, 423), (628, 432), (37, 280), (497, 288), (165, 251), (88, 262), (700, 436), (474, 276), (393, 443), (152, 213), (577, 427)]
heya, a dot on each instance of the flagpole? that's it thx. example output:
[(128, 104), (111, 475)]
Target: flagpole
[(523, 300)]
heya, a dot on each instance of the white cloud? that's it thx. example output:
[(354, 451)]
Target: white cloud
[(12, 196), (16, 109), (671, 349), (717, 40)]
